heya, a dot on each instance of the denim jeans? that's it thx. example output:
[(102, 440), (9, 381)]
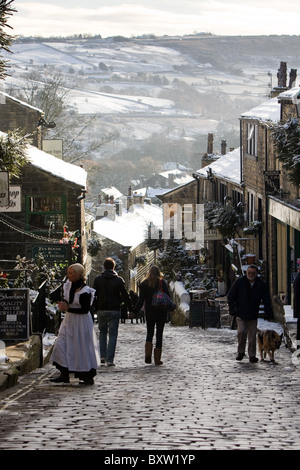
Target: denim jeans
[(108, 321)]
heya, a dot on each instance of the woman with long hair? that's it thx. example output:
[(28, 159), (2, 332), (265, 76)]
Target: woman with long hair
[(76, 348), (155, 317)]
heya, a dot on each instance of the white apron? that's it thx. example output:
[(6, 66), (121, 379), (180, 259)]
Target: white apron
[(76, 346)]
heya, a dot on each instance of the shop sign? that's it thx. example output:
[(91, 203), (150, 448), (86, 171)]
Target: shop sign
[(272, 182), (14, 314)]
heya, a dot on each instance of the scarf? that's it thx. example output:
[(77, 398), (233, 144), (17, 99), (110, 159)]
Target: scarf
[(75, 285)]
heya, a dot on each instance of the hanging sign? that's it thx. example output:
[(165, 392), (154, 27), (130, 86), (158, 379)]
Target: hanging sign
[(14, 203), (4, 188), (272, 182)]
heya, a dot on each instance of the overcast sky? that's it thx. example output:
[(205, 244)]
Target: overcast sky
[(159, 17)]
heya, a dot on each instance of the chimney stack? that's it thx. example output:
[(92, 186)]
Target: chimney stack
[(281, 75), (293, 76), (210, 144), (223, 147)]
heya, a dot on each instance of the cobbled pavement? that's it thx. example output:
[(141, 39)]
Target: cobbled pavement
[(201, 398)]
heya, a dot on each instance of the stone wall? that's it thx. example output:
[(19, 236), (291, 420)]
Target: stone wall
[(17, 115)]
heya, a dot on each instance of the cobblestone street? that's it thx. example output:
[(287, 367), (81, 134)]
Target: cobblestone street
[(200, 398)]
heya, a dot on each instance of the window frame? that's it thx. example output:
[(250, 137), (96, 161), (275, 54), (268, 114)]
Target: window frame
[(252, 139), (29, 212)]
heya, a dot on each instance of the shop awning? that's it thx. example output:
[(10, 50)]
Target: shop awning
[(286, 212)]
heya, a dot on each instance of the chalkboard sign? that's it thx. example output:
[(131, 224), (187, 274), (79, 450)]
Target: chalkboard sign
[(212, 318), (196, 316), (14, 314), (204, 315)]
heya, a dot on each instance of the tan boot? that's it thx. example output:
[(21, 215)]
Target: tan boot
[(157, 356), (148, 352)]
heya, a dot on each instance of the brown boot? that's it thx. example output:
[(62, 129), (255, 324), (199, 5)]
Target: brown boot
[(157, 356), (148, 352)]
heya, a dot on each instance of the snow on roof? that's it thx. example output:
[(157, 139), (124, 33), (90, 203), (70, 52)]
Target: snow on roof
[(292, 94), (5, 95), (227, 167), (183, 179), (112, 191), (153, 192), (57, 167), (140, 192), (131, 228), (179, 177), (267, 111), (174, 172)]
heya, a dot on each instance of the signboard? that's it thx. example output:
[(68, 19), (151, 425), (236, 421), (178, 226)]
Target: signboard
[(272, 182), (52, 252), (212, 317), (14, 314), (14, 203), (53, 147), (196, 315), (204, 315), (4, 188), (211, 234)]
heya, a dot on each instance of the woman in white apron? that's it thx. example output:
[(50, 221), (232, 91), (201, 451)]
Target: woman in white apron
[(76, 349)]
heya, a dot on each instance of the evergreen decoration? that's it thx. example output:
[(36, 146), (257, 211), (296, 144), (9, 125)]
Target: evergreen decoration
[(5, 39), (173, 259), (253, 228), (93, 247), (13, 156), (33, 272), (287, 142), (225, 219)]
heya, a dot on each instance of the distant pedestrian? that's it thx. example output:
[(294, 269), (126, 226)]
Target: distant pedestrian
[(155, 317), (140, 315), (296, 306), (244, 298), (110, 293), (76, 349), (124, 312)]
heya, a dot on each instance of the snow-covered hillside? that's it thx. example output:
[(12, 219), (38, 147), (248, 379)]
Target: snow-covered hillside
[(158, 98)]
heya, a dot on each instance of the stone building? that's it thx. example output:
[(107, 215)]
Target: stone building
[(48, 196), (252, 180), (269, 195), (15, 114), (122, 230)]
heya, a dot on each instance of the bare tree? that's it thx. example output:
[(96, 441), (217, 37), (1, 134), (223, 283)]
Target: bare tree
[(50, 94)]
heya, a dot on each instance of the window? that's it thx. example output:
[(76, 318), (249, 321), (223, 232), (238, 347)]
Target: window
[(251, 207), (44, 213), (252, 130), (237, 201), (223, 193)]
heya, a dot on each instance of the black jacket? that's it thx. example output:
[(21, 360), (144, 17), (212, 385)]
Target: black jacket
[(145, 296), (110, 291), (296, 306), (244, 300)]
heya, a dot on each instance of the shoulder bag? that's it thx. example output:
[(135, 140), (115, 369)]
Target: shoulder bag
[(161, 300)]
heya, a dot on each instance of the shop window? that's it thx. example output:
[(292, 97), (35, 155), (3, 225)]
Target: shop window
[(45, 213)]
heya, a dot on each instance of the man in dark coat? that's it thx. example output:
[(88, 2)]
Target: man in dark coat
[(110, 293), (244, 298), (296, 306)]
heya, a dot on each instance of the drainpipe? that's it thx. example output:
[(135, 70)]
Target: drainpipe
[(241, 153), (82, 196), (267, 210)]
